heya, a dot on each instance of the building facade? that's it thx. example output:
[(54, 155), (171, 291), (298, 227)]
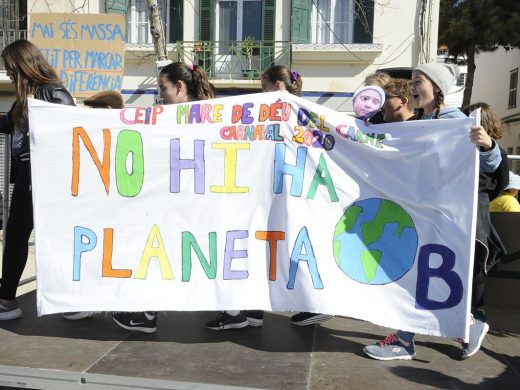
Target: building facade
[(496, 83), (333, 44)]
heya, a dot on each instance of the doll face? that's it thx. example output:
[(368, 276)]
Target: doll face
[(367, 103)]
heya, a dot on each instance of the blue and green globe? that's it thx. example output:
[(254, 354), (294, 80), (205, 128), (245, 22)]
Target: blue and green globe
[(375, 241)]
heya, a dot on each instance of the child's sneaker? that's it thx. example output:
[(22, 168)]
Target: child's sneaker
[(145, 322), (227, 321), (10, 310), (391, 348), (306, 318), (477, 332), (255, 317)]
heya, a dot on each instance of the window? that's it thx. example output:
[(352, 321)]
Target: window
[(513, 88), (332, 21), (138, 25), (461, 80), (238, 19)]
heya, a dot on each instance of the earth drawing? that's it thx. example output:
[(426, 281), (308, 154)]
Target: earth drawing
[(375, 241)]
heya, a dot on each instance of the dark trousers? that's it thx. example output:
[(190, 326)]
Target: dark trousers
[(477, 294), (18, 231)]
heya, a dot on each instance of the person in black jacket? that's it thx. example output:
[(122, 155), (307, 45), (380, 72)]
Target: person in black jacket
[(32, 75), (489, 247)]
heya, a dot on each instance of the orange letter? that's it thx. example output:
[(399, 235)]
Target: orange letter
[(103, 168), (108, 271), (272, 237)]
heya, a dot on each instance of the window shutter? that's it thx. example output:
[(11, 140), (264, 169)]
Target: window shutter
[(301, 21), (268, 18), (268, 10), (116, 6), (207, 20), (363, 21), (176, 20)]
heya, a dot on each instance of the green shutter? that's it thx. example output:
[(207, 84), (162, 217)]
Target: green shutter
[(268, 47), (363, 21), (207, 20), (268, 10), (301, 21), (116, 6), (176, 18)]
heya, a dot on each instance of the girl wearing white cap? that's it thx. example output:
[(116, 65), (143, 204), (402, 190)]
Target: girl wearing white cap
[(429, 85)]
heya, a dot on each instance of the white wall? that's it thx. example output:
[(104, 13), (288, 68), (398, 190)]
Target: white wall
[(491, 85)]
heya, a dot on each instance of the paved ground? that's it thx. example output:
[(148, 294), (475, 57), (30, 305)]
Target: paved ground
[(52, 353)]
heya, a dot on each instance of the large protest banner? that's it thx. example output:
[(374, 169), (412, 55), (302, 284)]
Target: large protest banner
[(263, 201), (87, 50)]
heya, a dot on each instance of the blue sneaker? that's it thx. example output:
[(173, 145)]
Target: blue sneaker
[(477, 332), (391, 348)]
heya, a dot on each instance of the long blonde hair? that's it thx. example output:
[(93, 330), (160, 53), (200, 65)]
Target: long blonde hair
[(29, 70)]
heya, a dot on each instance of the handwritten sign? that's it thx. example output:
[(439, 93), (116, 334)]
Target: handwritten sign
[(87, 50), (263, 201)]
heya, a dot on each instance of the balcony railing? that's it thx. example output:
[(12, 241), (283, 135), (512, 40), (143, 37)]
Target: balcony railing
[(230, 60), (9, 36)]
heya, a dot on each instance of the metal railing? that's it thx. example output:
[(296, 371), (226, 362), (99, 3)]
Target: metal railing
[(234, 60)]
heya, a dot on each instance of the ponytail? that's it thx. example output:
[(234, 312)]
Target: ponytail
[(439, 101), (200, 88)]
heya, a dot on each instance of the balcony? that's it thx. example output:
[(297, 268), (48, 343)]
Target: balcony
[(229, 62)]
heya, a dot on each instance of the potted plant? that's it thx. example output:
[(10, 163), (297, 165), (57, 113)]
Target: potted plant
[(248, 46)]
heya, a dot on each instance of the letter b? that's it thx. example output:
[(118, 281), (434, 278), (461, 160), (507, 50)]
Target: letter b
[(445, 272)]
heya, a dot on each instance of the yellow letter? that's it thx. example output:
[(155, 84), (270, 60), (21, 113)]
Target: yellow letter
[(154, 251), (230, 168)]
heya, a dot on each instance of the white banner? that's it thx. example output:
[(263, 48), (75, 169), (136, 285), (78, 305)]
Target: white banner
[(263, 201)]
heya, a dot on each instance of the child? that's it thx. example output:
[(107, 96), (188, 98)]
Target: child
[(507, 201), (398, 104), (105, 99), (430, 83), (276, 78), (178, 83)]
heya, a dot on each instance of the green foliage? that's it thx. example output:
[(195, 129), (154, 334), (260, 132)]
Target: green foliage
[(467, 27), (479, 25)]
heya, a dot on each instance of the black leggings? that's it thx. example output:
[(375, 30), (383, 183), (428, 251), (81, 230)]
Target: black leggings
[(18, 231), (477, 294)]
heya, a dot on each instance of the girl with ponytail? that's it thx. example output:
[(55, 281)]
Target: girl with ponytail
[(181, 83)]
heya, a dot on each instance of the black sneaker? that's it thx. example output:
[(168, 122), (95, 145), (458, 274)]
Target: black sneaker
[(145, 321), (226, 321), (306, 318), (255, 317)]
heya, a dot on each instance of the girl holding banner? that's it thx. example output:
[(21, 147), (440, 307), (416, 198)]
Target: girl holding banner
[(276, 78), (178, 83), (32, 75), (430, 83)]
